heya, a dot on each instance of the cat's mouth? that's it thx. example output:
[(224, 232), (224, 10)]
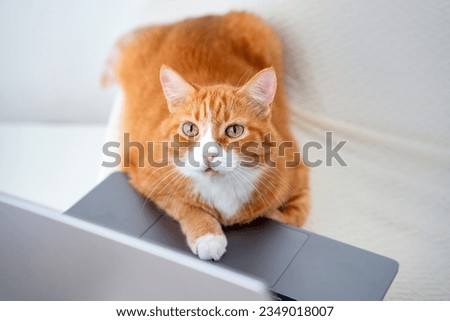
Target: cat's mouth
[(211, 172)]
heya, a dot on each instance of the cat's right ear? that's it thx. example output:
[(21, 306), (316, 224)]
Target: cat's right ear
[(261, 89), (175, 88)]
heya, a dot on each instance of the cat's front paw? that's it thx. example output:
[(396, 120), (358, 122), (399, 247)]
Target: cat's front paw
[(210, 246)]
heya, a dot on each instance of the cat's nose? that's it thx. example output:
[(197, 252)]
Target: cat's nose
[(210, 156), (211, 153)]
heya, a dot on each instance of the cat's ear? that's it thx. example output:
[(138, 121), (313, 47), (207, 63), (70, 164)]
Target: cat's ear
[(262, 87), (175, 88)]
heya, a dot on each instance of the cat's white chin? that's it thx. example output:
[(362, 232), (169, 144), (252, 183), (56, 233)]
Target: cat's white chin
[(212, 172), (227, 189)]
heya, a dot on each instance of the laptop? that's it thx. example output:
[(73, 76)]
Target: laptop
[(292, 263), (45, 255)]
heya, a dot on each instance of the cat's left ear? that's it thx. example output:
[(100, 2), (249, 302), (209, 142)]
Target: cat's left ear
[(175, 88), (261, 88)]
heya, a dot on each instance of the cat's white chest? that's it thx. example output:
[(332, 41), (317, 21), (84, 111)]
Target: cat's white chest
[(228, 193)]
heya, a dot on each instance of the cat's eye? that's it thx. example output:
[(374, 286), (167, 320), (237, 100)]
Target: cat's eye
[(234, 131), (189, 129)]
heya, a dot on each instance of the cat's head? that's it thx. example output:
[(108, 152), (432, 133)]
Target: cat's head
[(220, 128)]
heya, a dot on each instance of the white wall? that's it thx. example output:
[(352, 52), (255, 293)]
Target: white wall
[(52, 53)]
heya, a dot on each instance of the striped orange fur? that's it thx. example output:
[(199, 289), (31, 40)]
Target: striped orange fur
[(211, 73)]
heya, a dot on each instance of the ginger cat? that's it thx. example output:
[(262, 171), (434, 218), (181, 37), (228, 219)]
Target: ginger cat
[(222, 161)]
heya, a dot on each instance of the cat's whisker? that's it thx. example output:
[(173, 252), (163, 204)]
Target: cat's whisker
[(235, 180), (146, 182), (158, 170), (252, 184), (168, 174), (278, 176), (148, 196), (176, 185), (161, 172), (247, 203), (274, 191), (180, 185), (264, 180), (165, 192)]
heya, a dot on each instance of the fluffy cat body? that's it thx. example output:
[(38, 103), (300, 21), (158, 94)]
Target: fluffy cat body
[(219, 94)]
